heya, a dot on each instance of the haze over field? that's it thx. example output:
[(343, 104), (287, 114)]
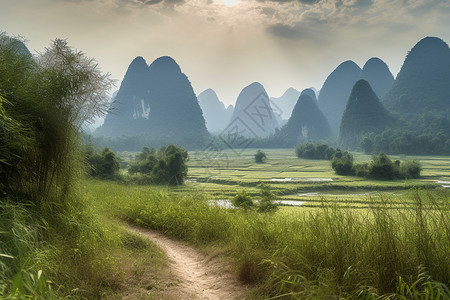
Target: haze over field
[(226, 45)]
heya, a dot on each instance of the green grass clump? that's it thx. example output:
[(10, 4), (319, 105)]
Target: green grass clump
[(327, 252)]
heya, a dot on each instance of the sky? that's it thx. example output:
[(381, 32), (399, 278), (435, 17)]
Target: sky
[(228, 44)]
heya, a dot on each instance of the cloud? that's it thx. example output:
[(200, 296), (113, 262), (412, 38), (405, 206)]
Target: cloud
[(363, 4), (299, 31), (285, 31), (288, 1)]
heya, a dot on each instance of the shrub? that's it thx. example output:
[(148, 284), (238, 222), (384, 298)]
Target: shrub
[(314, 151), (242, 200), (104, 165), (361, 169), (166, 166), (260, 156), (382, 167), (266, 204), (410, 169), (342, 163)]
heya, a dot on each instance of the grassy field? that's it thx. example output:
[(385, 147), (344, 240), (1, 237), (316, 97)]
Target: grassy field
[(351, 238), (304, 253), (220, 175)]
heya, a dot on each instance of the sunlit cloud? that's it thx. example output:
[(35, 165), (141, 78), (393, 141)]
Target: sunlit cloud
[(227, 44)]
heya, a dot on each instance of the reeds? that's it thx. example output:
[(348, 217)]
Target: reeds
[(329, 252)]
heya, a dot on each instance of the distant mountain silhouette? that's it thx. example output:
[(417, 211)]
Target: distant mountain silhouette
[(377, 73), (307, 122), (335, 91), (18, 44), (363, 114), (174, 108), (285, 104), (253, 115), (338, 85), (214, 111), (423, 83), (310, 92), (156, 100), (130, 106)]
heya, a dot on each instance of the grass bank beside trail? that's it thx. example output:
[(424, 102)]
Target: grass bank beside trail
[(70, 251), (321, 253)]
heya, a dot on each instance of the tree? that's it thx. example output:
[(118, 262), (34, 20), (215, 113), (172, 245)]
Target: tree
[(382, 167), (260, 157), (342, 163), (166, 166), (266, 204), (410, 169), (242, 200), (104, 165)]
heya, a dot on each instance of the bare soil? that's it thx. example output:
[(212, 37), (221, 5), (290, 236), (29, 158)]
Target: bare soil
[(194, 275)]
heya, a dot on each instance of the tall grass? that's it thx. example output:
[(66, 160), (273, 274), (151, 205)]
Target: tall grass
[(331, 252)]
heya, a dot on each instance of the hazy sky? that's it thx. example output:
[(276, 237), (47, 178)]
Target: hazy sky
[(226, 45)]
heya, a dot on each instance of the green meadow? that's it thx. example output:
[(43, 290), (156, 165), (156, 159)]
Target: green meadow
[(349, 238), (292, 178)]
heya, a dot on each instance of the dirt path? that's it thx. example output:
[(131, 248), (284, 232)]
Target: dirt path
[(200, 277)]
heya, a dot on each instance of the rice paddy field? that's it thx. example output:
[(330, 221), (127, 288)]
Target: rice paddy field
[(309, 183)]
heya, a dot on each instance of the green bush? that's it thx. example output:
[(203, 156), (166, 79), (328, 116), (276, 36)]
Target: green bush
[(166, 166), (342, 163), (361, 169), (382, 167), (315, 151), (103, 165), (410, 169), (45, 233), (266, 204), (260, 157), (242, 200)]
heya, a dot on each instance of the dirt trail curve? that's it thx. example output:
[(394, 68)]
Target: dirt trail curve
[(201, 277)]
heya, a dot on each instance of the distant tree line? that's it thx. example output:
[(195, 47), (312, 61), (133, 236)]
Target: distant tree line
[(381, 167), (315, 151), (406, 142), (103, 165), (165, 166)]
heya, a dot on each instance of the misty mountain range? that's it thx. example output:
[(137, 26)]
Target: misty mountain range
[(158, 101)]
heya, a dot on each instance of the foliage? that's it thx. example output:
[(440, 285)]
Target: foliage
[(382, 167), (46, 100), (325, 253), (166, 166), (266, 204), (418, 135), (103, 165), (49, 242), (342, 163), (315, 151), (260, 156), (410, 169), (242, 200)]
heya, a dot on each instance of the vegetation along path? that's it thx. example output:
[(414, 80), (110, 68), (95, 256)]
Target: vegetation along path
[(201, 277)]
